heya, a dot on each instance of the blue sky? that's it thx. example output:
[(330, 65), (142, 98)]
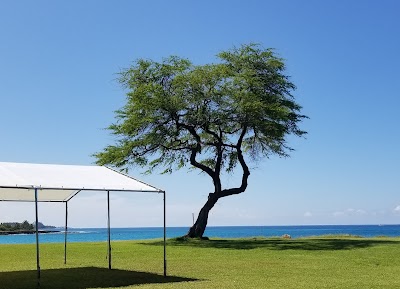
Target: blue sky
[(58, 65)]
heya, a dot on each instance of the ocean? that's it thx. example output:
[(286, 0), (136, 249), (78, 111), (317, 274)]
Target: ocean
[(100, 234)]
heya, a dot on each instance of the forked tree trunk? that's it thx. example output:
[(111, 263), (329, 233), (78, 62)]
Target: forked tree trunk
[(197, 230)]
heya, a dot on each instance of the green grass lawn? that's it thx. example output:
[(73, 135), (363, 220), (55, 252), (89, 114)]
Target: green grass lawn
[(235, 263)]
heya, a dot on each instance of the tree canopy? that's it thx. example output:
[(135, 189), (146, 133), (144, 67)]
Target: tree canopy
[(212, 117)]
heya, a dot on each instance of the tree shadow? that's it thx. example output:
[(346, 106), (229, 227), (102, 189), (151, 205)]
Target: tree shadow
[(82, 278), (315, 244)]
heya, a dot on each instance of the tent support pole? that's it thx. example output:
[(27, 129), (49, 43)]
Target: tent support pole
[(165, 236), (109, 230), (37, 238), (65, 232)]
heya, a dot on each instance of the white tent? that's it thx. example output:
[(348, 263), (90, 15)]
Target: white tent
[(24, 182)]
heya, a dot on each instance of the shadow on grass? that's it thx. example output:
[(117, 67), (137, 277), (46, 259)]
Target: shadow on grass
[(327, 244), (82, 278)]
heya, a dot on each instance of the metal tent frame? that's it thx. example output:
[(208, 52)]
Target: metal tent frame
[(38, 189)]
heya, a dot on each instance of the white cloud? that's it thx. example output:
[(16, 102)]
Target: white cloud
[(307, 214), (361, 212), (397, 209), (339, 214), (350, 212)]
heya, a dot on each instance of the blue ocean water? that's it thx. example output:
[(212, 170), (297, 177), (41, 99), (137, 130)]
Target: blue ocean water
[(100, 234)]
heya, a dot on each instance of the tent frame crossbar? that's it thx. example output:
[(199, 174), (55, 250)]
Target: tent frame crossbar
[(79, 189)]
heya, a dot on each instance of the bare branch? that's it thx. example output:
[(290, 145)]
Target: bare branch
[(245, 168), (196, 164)]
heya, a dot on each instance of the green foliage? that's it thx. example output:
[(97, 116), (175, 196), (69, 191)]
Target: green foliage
[(15, 226), (209, 116)]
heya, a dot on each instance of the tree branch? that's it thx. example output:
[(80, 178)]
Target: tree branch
[(217, 179), (196, 150), (246, 171), (200, 166)]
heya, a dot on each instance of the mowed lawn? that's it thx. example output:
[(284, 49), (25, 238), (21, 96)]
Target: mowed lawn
[(324, 262)]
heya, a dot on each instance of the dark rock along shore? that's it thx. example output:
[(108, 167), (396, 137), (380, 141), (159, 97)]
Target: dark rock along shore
[(27, 232)]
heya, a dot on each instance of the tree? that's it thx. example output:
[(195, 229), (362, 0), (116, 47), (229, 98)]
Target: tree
[(211, 117), (26, 226)]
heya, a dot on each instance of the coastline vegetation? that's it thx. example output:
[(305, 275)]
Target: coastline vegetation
[(24, 228), (15, 226), (270, 263)]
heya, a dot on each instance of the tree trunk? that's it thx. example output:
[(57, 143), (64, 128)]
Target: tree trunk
[(197, 230)]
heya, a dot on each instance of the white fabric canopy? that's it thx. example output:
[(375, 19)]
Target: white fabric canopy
[(59, 183)]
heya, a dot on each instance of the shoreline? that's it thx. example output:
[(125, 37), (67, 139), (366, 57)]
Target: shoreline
[(94, 235), (28, 232)]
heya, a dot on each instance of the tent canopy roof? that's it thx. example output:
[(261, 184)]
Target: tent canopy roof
[(59, 183)]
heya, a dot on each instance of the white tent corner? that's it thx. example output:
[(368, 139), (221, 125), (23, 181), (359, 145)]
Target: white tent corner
[(26, 182)]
